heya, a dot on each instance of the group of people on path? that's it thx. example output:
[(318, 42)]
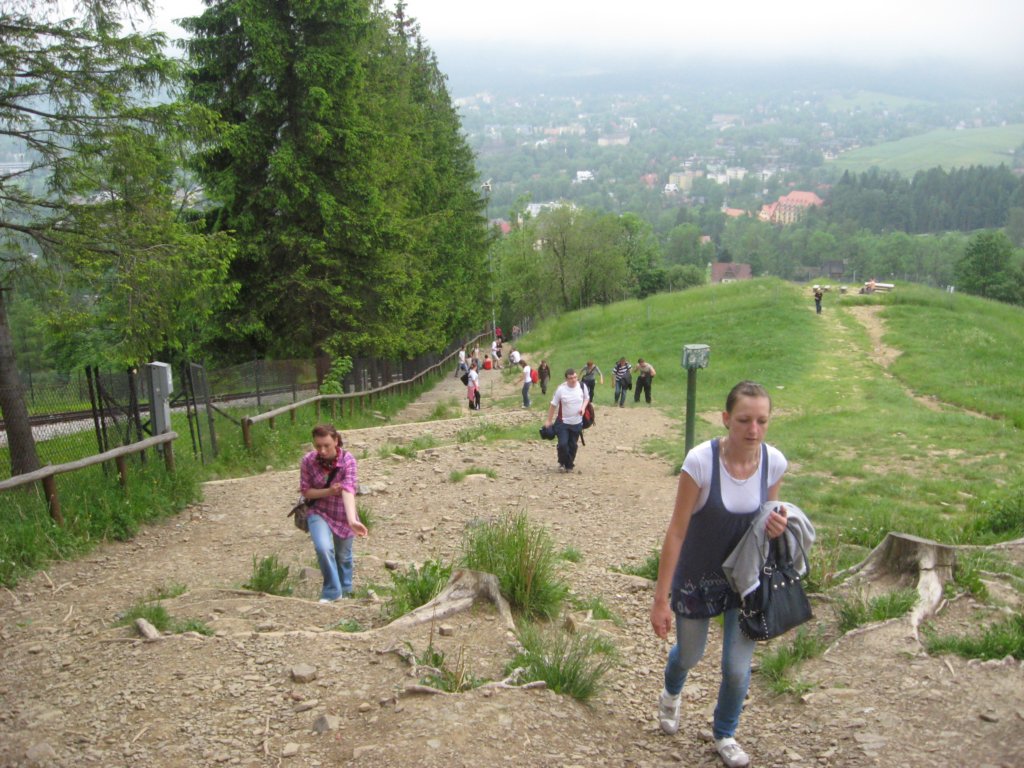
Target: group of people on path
[(726, 486)]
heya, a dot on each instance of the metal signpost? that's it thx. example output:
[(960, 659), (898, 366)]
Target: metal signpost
[(694, 356)]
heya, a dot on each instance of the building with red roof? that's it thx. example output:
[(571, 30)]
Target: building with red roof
[(789, 208)]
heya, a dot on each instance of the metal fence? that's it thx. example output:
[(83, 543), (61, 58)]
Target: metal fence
[(67, 426)]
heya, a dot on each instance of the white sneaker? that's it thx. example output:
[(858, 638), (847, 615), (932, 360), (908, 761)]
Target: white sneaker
[(668, 713), (732, 754)]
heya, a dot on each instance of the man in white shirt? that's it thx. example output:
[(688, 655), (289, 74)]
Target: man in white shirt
[(527, 381), (568, 403)]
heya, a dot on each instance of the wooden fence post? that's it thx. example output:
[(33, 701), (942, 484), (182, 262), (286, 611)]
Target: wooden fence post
[(247, 432), (169, 456), (122, 471), (50, 489)]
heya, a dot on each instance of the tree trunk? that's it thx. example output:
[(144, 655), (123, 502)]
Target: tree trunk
[(20, 442)]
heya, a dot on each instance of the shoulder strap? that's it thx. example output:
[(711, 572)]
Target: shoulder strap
[(327, 484)]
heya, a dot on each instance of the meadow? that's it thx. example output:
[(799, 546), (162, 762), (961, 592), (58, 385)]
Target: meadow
[(923, 448), (942, 147)]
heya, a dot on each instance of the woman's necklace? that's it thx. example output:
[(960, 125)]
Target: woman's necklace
[(736, 480)]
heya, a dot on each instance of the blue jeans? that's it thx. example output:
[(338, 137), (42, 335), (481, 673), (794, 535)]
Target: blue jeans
[(737, 653), (568, 439), (334, 555), (526, 394), (620, 392)]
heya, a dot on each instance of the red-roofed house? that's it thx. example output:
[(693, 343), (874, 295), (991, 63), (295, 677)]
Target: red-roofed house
[(726, 272), (789, 208)]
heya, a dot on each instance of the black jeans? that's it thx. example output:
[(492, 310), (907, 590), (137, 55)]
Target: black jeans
[(642, 384), (568, 439)]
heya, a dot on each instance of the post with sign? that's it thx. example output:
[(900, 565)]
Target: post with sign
[(695, 356)]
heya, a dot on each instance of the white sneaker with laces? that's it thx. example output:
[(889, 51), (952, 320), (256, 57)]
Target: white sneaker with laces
[(668, 713), (732, 753)]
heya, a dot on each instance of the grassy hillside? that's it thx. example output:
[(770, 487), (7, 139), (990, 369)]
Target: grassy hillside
[(867, 456), (941, 147)]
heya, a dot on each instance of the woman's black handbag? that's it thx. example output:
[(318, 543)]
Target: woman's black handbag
[(779, 603)]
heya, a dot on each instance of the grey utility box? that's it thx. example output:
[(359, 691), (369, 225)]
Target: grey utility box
[(696, 356), (160, 385)]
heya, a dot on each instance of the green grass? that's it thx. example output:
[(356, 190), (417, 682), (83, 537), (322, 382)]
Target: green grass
[(416, 586), (522, 557), (348, 625), (940, 147), (1002, 639), (408, 450), (366, 516), (648, 569), (598, 610), (97, 510), (778, 663), (269, 576), (573, 665), (458, 475), (150, 609), (443, 676), (571, 554), (854, 612)]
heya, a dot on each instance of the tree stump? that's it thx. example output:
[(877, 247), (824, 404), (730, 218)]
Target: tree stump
[(463, 588), (906, 558)]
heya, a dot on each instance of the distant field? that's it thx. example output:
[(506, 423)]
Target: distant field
[(941, 147)]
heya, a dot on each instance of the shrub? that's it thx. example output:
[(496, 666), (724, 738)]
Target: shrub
[(269, 576), (570, 664), (416, 587), (440, 676), (999, 517), (523, 559), (571, 554)]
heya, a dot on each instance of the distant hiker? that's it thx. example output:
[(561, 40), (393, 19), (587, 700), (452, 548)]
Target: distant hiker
[(473, 388), (327, 477), (568, 403), (818, 294), (644, 375), (722, 485), (527, 382), (623, 380), (589, 376), (543, 374)]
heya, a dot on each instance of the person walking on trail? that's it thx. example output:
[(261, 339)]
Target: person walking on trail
[(568, 403), (722, 485), (818, 294), (527, 382), (327, 478), (623, 380), (473, 388), (644, 376), (543, 375), (589, 376)]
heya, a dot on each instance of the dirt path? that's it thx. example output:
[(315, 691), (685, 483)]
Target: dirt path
[(76, 690)]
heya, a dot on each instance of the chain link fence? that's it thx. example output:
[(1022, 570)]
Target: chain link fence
[(86, 412)]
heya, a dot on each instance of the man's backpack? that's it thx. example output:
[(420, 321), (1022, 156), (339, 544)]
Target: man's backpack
[(465, 378), (588, 416), (534, 376)]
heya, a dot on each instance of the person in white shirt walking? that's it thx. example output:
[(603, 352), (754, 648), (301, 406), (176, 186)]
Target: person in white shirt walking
[(568, 404), (527, 382)]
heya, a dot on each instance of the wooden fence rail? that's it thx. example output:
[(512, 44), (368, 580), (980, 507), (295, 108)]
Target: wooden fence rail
[(364, 397), (117, 455)]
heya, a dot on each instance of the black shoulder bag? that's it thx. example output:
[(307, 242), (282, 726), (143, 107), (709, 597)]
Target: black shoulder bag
[(779, 603), (300, 511)]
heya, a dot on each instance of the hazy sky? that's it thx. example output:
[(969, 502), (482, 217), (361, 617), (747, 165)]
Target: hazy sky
[(865, 30)]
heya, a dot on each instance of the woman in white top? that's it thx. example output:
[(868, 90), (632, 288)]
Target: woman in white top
[(721, 488)]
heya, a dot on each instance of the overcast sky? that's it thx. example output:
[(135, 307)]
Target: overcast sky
[(880, 31)]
